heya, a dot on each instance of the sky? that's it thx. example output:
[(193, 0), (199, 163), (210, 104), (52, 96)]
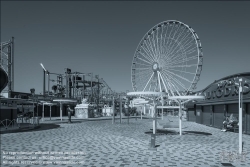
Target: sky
[(101, 37)]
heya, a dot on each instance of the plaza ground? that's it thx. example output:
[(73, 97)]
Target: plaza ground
[(106, 144)]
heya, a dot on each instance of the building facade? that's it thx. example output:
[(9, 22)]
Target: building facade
[(222, 100)]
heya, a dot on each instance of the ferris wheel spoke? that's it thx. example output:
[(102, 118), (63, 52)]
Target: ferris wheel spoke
[(175, 89), (154, 45), (184, 65), (184, 46), (181, 47), (184, 38), (141, 72), (148, 53), (148, 81), (188, 41), (172, 49), (174, 52), (172, 41), (157, 46), (185, 79), (164, 42), (174, 79), (151, 47), (146, 57), (182, 71), (187, 53), (161, 41), (166, 63), (169, 37), (168, 85), (188, 45), (191, 50), (139, 68), (142, 78), (144, 60), (177, 56), (183, 61), (142, 64)]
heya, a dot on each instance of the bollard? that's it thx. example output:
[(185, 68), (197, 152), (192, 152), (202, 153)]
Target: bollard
[(242, 145), (152, 142)]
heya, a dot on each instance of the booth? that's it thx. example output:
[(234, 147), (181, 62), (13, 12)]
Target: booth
[(81, 110)]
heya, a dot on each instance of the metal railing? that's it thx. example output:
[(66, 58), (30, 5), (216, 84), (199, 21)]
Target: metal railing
[(7, 123)]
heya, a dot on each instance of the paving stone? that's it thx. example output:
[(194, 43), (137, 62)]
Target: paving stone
[(107, 144)]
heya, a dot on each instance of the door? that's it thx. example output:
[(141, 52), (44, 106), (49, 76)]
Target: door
[(219, 116), (198, 114), (191, 115), (248, 118), (206, 115)]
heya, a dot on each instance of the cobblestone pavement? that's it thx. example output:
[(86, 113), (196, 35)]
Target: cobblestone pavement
[(106, 144)]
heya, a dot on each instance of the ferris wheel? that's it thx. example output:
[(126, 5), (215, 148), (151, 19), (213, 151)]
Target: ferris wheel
[(167, 59)]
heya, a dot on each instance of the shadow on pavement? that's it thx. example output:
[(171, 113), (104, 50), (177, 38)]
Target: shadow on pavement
[(172, 132), (227, 164), (196, 132), (163, 132), (30, 128)]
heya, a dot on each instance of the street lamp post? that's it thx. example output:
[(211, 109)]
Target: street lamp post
[(44, 72), (240, 80), (91, 87), (120, 107), (240, 115), (113, 118), (48, 81)]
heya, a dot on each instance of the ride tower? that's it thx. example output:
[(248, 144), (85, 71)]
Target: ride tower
[(7, 64)]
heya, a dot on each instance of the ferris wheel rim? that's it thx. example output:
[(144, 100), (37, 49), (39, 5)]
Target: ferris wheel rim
[(198, 49)]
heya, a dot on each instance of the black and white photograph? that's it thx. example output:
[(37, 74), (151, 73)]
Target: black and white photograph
[(125, 83)]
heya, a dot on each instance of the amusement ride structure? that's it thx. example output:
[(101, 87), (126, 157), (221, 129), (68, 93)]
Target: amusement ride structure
[(167, 63), (78, 86), (65, 88), (7, 67)]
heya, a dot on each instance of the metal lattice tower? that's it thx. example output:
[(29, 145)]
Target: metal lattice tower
[(7, 63)]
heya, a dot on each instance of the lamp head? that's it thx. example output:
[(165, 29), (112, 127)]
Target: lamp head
[(43, 67)]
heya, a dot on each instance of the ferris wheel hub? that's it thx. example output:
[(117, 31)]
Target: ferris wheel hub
[(155, 66)]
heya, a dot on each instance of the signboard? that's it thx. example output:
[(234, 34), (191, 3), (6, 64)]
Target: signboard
[(226, 89)]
